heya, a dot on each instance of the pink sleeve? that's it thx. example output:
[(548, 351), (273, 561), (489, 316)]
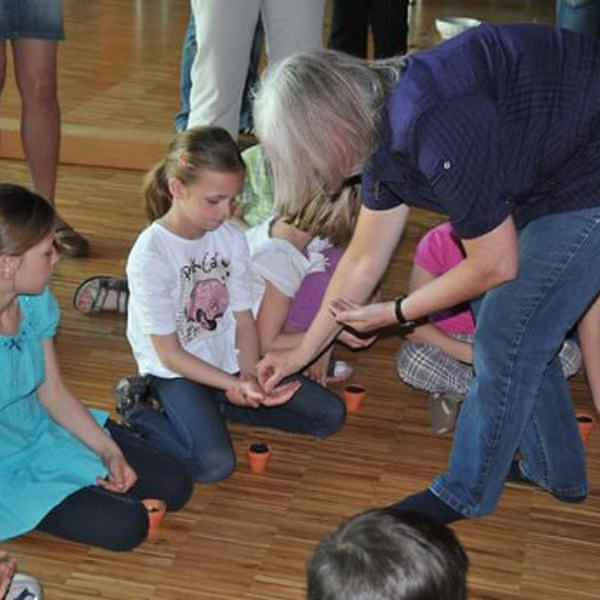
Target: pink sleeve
[(438, 250)]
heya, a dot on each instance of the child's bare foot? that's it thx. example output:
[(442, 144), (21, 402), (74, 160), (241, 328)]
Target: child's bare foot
[(102, 294)]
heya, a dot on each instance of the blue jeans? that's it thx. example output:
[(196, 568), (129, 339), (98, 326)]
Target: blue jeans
[(188, 53), (31, 19), (519, 400), (193, 428), (579, 15)]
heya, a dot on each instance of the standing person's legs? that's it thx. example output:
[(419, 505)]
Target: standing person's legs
[(35, 69), (191, 430), (252, 77), (561, 473), (579, 15), (313, 410), (224, 34), (349, 27), (292, 27), (520, 328), (389, 22), (188, 53)]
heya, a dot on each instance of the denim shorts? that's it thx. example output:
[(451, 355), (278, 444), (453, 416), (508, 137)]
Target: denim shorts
[(39, 19)]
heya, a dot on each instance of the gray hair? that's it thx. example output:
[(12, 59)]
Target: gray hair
[(317, 115)]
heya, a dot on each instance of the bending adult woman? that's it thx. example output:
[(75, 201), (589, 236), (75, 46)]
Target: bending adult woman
[(497, 128)]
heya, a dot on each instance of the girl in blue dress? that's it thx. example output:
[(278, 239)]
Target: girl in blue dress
[(63, 469)]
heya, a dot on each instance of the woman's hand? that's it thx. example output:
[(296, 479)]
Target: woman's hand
[(121, 477), (354, 341), (363, 318), (274, 366), (245, 392), (281, 394), (8, 566)]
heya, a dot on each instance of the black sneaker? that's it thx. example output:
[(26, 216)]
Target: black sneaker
[(130, 391)]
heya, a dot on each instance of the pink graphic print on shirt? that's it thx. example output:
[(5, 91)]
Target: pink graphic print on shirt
[(207, 302), (205, 296)]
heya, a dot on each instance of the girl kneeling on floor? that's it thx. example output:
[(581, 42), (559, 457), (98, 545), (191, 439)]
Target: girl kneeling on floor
[(62, 470), (190, 321)]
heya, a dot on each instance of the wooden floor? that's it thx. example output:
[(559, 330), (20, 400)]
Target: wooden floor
[(248, 537)]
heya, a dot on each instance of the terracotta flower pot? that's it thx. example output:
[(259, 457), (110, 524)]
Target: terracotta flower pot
[(585, 422), (156, 511), (258, 457), (354, 396)]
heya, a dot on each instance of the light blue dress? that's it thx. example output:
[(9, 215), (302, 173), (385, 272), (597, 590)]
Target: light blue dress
[(40, 462)]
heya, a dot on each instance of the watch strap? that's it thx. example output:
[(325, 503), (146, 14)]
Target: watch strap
[(402, 320)]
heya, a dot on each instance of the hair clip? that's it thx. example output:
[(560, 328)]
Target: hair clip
[(181, 159)]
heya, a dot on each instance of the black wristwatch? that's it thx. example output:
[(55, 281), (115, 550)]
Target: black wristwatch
[(402, 320)]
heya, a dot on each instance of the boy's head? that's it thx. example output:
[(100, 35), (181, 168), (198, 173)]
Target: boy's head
[(384, 555)]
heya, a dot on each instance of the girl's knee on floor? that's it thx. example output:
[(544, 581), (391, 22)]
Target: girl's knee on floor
[(324, 411), (209, 466), (128, 532), (332, 417)]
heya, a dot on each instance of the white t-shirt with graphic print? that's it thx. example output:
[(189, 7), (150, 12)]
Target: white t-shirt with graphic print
[(188, 287)]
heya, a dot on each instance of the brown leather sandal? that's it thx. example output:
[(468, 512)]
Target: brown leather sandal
[(69, 242)]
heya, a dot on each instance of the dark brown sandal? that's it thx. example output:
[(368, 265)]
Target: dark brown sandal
[(69, 242)]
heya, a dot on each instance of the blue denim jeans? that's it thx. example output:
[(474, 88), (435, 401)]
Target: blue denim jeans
[(31, 19), (193, 427), (188, 53), (579, 15), (519, 400)]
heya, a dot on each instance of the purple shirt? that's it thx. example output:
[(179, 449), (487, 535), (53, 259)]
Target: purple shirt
[(501, 120)]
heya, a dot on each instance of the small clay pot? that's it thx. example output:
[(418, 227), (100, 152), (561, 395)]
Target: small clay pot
[(585, 422), (259, 454), (156, 509), (354, 396)]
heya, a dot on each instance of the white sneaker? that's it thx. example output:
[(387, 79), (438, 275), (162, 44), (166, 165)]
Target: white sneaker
[(24, 587), (443, 411), (341, 371)]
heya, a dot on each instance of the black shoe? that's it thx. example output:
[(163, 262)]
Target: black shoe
[(131, 391)]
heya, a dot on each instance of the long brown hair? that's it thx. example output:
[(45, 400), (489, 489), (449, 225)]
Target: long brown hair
[(25, 219), (191, 152)]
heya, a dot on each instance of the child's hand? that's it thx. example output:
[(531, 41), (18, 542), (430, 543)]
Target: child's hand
[(281, 394), (363, 318), (121, 476), (355, 341), (245, 392)]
